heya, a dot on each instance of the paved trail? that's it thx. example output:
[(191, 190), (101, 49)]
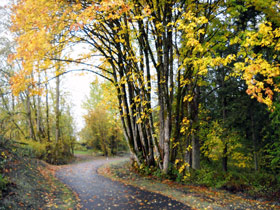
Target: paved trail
[(97, 192)]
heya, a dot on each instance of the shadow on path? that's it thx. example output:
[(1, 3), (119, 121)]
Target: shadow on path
[(97, 192)]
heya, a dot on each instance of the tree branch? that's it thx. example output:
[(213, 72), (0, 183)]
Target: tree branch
[(80, 70)]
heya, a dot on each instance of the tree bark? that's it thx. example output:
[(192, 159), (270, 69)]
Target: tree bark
[(57, 118), (224, 104), (29, 118), (39, 129), (47, 114), (255, 143), (195, 126)]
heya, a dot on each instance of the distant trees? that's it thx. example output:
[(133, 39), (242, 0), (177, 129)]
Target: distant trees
[(102, 129)]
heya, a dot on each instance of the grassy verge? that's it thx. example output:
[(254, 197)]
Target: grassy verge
[(83, 152), (195, 196), (31, 184)]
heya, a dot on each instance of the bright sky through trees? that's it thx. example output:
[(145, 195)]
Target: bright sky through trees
[(3, 2), (77, 86)]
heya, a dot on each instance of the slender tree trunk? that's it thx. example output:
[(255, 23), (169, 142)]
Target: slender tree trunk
[(225, 150), (29, 118), (48, 147), (188, 152), (13, 103), (13, 110), (195, 152), (224, 104), (57, 117), (188, 155), (166, 144), (47, 114), (254, 139), (194, 135), (57, 131), (225, 157), (39, 130)]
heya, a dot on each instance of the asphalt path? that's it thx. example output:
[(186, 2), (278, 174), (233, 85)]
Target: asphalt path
[(97, 192)]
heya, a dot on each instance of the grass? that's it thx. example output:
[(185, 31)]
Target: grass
[(83, 152), (88, 152)]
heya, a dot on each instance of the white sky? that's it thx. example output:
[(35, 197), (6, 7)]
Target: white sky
[(78, 87), (3, 2)]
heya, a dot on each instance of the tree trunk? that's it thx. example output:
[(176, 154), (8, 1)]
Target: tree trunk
[(13, 103), (225, 158), (224, 104), (47, 114), (39, 130), (166, 144), (195, 152), (57, 111), (194, 135), (254, 139), (57, 118), (225, 150), (29, 118), (188, 155)]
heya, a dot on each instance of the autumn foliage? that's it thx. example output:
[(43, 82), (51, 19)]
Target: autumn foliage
[(167, 60)]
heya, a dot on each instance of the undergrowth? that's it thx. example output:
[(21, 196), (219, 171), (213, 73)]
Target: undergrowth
[(52, 153), (252, 183), (5, 147), (26, 182)]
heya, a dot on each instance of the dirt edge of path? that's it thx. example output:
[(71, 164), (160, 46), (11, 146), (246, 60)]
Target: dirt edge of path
[(32, 185), (49, 172)]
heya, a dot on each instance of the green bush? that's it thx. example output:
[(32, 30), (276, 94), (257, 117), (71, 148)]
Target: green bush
[(174, 174), (263, 183), (251, 182), (235, 181), (157, 173), (3, 182), (52, 153), (38, 149), (80, 147), (33, 149), (208, 177), (59, 153)]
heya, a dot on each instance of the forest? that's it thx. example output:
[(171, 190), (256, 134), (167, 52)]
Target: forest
[(189, 87)]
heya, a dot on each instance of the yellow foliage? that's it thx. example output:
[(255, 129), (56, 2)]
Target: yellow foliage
[(240, 160), (257, 64), (183, 166), (185, 125), (215, 143)]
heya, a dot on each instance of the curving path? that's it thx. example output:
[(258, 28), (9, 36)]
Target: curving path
[(97, 192)]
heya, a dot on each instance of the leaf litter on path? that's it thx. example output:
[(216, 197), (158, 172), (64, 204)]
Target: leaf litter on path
[(97, 192)]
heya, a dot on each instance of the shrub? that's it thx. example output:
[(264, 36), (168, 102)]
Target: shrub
[(3, 182), (59, 153)]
